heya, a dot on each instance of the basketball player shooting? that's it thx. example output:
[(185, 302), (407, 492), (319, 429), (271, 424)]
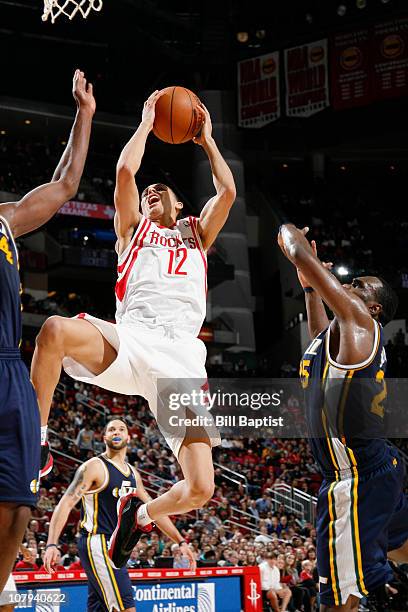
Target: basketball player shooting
[(161, 303), (362, 513), (19, 415), (102, 483)]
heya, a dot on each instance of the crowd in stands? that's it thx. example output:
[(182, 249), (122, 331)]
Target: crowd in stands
[(244, 524)]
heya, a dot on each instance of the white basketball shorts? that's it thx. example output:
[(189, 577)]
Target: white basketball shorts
[(163, 364)]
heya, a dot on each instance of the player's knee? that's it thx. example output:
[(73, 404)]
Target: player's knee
[(201, 493), (51, 333)]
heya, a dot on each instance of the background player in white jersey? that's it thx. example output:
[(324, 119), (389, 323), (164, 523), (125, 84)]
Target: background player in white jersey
[(161, 296), (100, 483)]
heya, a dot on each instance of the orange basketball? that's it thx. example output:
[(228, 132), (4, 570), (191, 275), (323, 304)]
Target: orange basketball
[(178, 115)]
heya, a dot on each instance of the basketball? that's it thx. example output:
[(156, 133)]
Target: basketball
[(178, 115)]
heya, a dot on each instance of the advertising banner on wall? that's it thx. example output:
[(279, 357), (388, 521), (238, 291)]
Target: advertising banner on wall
[(307, 82), (351, 83), (258, 90)]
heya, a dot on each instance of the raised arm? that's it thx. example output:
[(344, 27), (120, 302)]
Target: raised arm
[(38, 206), (317, 319), (216, 211), (88, 476), (166, 525), (355, 321), (127, 214)]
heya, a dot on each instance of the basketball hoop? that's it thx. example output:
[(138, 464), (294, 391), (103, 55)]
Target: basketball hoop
[(69, 8)]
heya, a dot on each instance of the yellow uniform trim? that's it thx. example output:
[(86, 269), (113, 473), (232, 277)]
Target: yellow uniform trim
[(84, 509), (331, 545), (88, 543), (95, 516), (356, 527), (333, 458), (343, 400), (111, 572)]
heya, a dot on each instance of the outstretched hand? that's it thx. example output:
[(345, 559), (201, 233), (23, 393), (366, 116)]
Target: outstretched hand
[(149, 108), (206, 131), (83, 92), (326, 264)]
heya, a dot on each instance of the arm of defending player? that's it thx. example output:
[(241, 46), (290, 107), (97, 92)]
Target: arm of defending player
[(216, 211), (38, 206), (345, 305), (317, 319), (88, 476), (166, 525), (354, 319), (127, 215)]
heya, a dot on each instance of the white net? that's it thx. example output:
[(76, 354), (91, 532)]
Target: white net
[(69, 8)]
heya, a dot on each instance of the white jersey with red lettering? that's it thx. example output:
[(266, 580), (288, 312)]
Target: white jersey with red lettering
[(162, 277), (161, 299)]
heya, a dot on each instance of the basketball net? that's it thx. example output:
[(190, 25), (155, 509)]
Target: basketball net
[(69, 8)]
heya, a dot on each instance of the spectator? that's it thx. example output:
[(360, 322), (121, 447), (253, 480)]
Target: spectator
[(85, 441), (29, 564), (71, 555), (272, 589)]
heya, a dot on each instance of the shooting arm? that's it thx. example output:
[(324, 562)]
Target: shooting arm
[(216, 211)]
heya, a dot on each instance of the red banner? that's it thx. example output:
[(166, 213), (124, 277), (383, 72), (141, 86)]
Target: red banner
[(306, 73), (390, 59), (86, 209), (351, 81), (258, 90)]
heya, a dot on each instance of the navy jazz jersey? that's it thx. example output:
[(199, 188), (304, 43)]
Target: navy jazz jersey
[(345, 407), (10, 305), (19, 413), (99, 508)]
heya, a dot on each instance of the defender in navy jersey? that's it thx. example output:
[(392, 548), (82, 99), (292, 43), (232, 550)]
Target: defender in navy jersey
[(362, 513), (101, 483), (19, 411)]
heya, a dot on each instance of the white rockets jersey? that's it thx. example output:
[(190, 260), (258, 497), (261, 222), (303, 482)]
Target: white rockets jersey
[(162, 276)]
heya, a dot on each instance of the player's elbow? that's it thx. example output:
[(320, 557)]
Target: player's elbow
[(229, 194), (69, 186), (124, 172)]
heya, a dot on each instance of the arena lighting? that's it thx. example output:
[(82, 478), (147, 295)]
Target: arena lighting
[(260, 34), (385, 1), (361, 4), (27, 121), (63, 142), (242, 37), (3, 132), (342, 271), (285, 166), (309, 18), (343, 168), (341, 10)]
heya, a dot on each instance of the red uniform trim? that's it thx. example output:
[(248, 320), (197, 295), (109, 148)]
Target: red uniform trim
[(135, 239), (121, 285), (193, 222)]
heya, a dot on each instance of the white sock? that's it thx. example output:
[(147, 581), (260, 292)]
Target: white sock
[(143, 517), (44, 429)]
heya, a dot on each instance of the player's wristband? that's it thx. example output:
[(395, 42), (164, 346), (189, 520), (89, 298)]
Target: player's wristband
[(51, 546), (308, 289)]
